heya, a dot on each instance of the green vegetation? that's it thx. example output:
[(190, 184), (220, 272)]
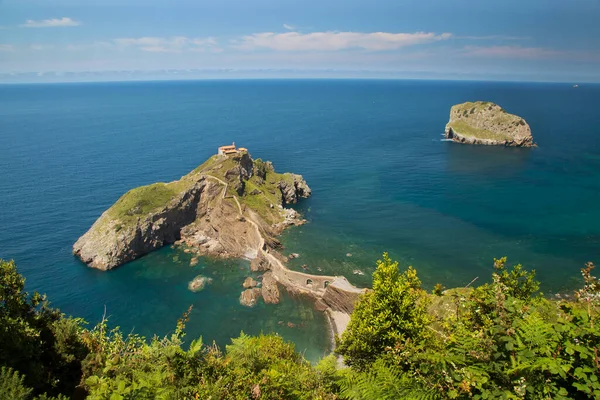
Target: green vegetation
[(493, 115), (143, 200), (44, 354), (396, 308), (151, 198), (260, 194), (501, 340), (474, 105), (261, 191), (464, 129)]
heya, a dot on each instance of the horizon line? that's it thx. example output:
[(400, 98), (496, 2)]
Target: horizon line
[(298, 78)]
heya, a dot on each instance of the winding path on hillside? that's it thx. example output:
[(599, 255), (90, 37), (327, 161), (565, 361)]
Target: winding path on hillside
[(314, 285)]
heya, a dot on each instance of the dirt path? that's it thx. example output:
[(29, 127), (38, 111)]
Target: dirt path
[(297, 280)]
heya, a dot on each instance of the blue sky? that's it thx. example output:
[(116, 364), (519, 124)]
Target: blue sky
[(531, 40)]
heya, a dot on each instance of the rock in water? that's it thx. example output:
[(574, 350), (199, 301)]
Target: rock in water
[(198, 283), (486, 123), (249, 283), (293, 188), (269, 290), (259, 264), (249, 297)]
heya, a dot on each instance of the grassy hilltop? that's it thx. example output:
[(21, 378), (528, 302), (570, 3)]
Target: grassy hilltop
[(483, 122), (259, 194)]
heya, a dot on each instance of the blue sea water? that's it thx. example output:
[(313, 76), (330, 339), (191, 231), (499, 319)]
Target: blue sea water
[(371, 150)]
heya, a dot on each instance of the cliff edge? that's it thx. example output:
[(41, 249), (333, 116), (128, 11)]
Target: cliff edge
[(486, 123)]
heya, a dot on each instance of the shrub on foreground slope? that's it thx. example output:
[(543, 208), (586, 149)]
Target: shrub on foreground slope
[(501, 340)]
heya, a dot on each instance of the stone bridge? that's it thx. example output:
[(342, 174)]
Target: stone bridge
[(314, 285)]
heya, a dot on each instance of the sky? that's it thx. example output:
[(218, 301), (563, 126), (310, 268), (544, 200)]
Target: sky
[(89, 40)]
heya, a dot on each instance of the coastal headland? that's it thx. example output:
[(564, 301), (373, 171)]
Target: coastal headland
[(231, 206), (486, 123)]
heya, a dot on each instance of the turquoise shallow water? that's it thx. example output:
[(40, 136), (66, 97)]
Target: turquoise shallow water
[(382, 181)]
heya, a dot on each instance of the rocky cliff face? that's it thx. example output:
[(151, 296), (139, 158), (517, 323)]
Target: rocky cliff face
[(293, 189), (487, 123), (203, 210), (111, 242)]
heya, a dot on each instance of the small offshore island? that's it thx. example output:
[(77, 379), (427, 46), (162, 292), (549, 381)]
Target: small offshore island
[(231, 206), (486, 123)]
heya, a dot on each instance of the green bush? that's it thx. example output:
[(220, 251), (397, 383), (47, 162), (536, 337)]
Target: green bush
[(393, 312), (504, 341), (501, 340)]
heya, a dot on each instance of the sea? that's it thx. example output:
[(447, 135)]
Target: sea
[(383, 180)]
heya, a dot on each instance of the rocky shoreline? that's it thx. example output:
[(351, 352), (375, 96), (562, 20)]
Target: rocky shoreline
[(229, 207)]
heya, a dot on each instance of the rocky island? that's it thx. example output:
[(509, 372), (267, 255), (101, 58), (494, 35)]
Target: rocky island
[(231, 206), (486, 123)]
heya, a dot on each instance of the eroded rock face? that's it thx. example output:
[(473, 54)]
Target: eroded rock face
[(269, 289), (259, 264), (109, 244), (249, 283), (486, 123), (249, 297), (294, 189), (199, 283)]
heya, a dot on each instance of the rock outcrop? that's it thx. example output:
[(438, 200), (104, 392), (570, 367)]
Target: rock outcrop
[(116, 237), (202, 210), (198, 283), (269, 289), (249, 283), (249, 297), (259, 264), (293, 189), (487, 123)]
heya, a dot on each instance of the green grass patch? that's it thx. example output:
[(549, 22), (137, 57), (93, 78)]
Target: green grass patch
[(143, 200), (464, 129), (261, 202)]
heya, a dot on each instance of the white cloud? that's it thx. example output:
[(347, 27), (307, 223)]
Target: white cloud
[(6, 47), (289, 27), (176, 44), (332, 41), (511, 52), (50, 23)]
